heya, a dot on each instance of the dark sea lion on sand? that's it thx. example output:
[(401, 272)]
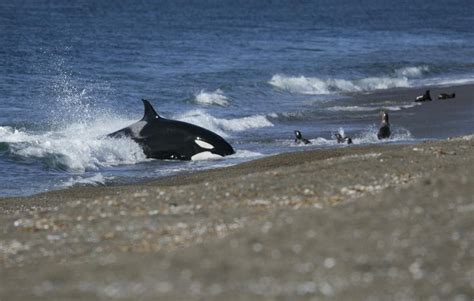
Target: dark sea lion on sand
[(299, 138), (446, 95), (424, 97), (341, 139), (384, 130)]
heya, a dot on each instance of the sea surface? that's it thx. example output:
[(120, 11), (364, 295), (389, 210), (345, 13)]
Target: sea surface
[(252, 71)]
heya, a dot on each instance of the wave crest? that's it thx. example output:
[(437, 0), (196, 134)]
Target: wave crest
[(317, 86), (211, 98), (220, 125)]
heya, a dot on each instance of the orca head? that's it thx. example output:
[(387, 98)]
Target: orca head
[(211, 142)]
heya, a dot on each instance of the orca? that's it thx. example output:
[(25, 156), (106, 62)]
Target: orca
[(341, 139), (446, 95), (384, 130), (299, 138), (167, 139), (424, 97)]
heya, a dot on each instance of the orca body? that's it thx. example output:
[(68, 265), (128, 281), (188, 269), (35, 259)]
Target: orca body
[(384, 130), (424, 97), (446, 95), (162, 138), (299, 138)]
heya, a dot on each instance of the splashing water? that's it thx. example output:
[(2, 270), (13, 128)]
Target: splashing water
[(77, 148)]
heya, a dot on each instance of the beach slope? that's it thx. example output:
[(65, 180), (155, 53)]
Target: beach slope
[(385, 222)]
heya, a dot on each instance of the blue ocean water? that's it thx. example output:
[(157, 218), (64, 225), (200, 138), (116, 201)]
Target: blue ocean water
[(252, 71)]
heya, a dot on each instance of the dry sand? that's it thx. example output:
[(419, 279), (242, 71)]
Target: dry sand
[(392, 222)]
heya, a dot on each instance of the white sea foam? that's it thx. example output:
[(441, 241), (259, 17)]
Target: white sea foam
[(95, 180), (76, 148), (369, 136), (239, 154), (317, 86), (401, 107), (319, 141), (370, 109), (211, 98), (84, 146), (412, 71), (243, 154), (220, 125), (351, 109)]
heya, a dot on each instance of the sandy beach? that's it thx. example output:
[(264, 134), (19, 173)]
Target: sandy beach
[(389, 222)]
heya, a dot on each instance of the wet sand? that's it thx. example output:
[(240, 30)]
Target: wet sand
[(385, 222), (432, 119), (380, 222)]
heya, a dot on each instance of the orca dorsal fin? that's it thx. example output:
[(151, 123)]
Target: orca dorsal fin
[(150, 113)]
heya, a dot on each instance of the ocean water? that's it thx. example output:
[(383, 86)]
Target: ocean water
[(252, 71)]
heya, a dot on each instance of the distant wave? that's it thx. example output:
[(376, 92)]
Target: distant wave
[(412, 71), (77, 148), (211, 98), (318, 86), (222, 126), (351, 109), (370, 109)]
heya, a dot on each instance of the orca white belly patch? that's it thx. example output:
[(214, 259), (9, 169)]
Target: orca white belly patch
[(205, 156)]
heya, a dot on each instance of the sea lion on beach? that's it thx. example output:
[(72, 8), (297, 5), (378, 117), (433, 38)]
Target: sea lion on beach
[(424, 97), (446, 95), (341, 139), (162, 138), (299, 138), (384, 130)]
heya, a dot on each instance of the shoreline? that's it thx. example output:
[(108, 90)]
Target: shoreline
[(449, 112), (360, 222), (188, 177)]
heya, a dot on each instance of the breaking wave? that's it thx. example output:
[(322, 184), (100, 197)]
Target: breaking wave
[(412, 71), (211, 98), (77, 148), (220, 125), (371, 108), (317, 86)]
